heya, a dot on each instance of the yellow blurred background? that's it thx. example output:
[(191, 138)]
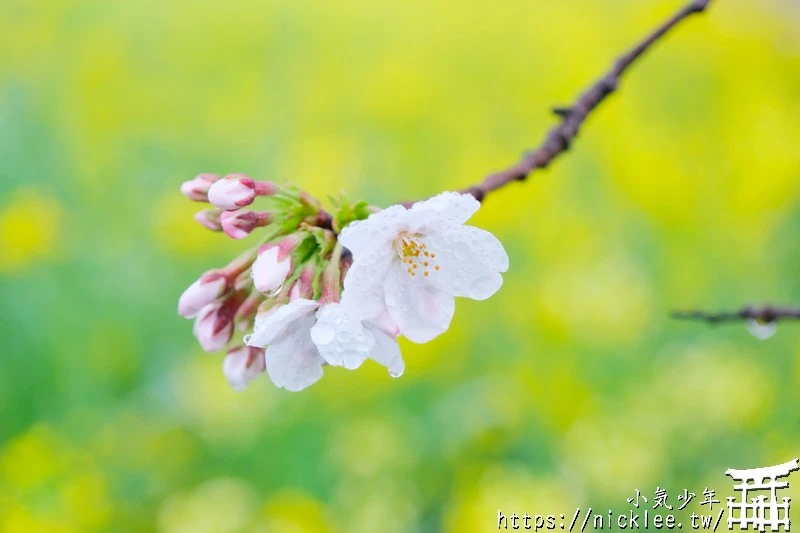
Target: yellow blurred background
[(570, 387)]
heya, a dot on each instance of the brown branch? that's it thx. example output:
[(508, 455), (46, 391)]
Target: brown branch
[(559, 138), (764, 314)]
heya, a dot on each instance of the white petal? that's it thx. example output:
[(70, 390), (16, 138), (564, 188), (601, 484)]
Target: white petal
[(487, 246), (363, 236), (386, 351), (278, 320), (363, 284), (469, 261), (340, 338), (293, 361), (761, 331), (420, 310), (385, 323), (445, 209)]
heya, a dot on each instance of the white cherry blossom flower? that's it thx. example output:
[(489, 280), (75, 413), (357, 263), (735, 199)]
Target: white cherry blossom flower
[(412, 262), (344, 340), (294, 360)]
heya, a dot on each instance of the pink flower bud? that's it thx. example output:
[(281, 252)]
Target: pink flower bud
[(212, 334), (288, 244), (241, 264), (303, 288), (309, 201), (211, 286), (237, 190), (242, 365), (210, 218), (197, 188), (271, 268), (330, 282), (239, 224), (213, 327), (245, 314)]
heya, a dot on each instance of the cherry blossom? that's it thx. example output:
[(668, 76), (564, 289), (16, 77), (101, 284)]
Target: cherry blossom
[(303, 335), (343, 340), (412, 262)]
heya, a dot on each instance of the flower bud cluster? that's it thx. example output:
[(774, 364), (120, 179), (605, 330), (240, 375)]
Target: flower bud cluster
[(287, 263), (319, 290)]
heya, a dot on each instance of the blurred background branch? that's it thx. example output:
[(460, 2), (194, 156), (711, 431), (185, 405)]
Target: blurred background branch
[(559, 139), (763, 314)]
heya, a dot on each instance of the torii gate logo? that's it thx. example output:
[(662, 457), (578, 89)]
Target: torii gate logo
[(758, 511)]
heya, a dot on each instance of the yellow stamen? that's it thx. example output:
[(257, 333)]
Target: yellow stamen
[(412, 251)]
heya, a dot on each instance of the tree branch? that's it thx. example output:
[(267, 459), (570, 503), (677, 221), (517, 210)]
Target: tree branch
[(559, 138), (764, 314)]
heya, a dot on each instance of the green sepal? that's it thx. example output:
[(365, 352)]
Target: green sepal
[(348, 213)]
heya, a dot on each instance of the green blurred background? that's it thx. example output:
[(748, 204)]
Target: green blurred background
[(570, 387)]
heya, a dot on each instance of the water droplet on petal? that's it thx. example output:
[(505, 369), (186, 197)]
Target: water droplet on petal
[(274, 292), (323, 333), (761, 330), (362, 346), (396, 372)]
